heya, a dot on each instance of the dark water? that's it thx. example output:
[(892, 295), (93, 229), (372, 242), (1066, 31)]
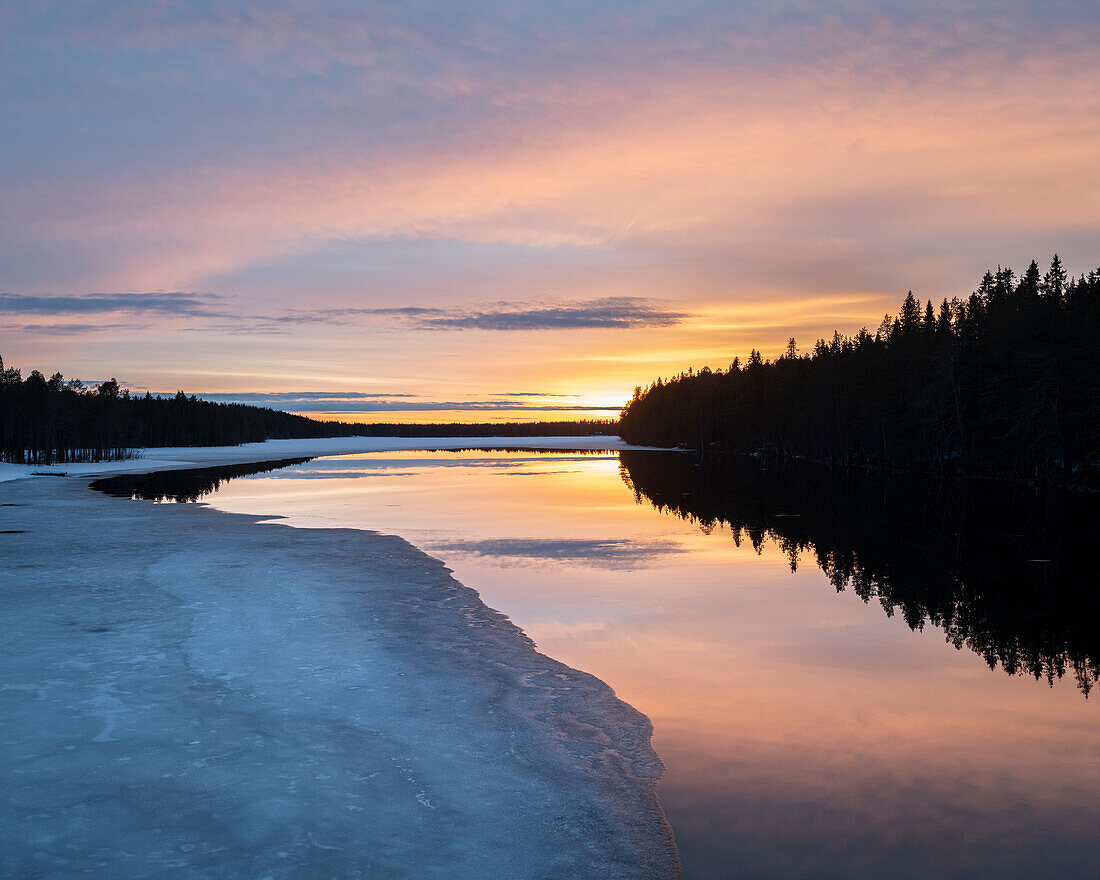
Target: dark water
[(848, 676), (1007, 571), (184, 486)]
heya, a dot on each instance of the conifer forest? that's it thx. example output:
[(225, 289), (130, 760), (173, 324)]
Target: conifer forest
[(1002, 382)]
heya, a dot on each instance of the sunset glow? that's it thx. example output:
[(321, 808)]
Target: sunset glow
[(260, 198), (535, 439)]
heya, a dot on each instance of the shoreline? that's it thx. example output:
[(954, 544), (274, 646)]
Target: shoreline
[(341, 650), (159, 458)]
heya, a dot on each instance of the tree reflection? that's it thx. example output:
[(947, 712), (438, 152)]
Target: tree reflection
[(184, 485), (1005, 571)]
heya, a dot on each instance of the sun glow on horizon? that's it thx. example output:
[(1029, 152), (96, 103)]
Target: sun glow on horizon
[(502, 205)]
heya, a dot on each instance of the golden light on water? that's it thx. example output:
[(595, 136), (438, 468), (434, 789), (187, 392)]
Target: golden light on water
[(878, 728), (770, 692)]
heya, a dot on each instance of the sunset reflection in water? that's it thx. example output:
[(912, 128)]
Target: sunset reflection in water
[(805, 732)]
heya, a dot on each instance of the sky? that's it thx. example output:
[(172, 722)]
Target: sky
[(479, 211)]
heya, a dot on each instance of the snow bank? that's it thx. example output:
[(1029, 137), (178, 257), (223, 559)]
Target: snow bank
[(166, 458), (194, 694)]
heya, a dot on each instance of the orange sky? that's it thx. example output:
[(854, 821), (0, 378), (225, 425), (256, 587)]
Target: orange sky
[(456, 206)]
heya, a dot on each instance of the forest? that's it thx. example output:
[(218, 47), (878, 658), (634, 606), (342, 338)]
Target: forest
[(1002, 382), (46, 421)]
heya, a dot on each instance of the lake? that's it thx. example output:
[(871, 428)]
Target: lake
[(847, 676)]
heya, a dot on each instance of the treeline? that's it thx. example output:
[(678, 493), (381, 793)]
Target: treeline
[(1001, 569), (1002, 382), (46, 421), (43, 421)]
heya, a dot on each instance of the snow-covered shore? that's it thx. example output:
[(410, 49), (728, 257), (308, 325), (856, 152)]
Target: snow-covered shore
[(196, 693), (166, 458)]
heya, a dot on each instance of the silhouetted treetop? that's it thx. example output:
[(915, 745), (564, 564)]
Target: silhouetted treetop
[(1000, 382)]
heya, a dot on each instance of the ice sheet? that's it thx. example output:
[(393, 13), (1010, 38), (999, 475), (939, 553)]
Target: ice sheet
[(192, 693)]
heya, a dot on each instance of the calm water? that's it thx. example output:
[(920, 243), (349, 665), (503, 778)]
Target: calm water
[(846, 678)]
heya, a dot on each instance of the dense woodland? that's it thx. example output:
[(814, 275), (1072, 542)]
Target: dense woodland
[(43, 421), (1002, 382), (1002, 569)]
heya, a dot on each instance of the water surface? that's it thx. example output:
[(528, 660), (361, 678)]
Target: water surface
[(846, 677)]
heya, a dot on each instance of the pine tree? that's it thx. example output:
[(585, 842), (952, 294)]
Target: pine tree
[(1054, 282), (909, 317)]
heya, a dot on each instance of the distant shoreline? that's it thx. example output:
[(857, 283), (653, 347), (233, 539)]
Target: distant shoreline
[(166, 458)]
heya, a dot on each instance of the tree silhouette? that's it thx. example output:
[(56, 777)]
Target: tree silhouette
[(1000, 383), (46, 421), (1004, 571)]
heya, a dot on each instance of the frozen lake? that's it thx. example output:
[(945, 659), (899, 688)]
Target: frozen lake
[(806, 733)]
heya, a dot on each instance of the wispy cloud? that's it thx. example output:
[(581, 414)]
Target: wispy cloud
[(607, 313), (61, 329), (158, 302), (619, 313), (291, 397), (530, 394), (362, 402), (552, 155), (616, 313)]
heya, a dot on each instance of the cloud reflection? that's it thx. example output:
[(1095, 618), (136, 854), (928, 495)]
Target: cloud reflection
[(606, 554)]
